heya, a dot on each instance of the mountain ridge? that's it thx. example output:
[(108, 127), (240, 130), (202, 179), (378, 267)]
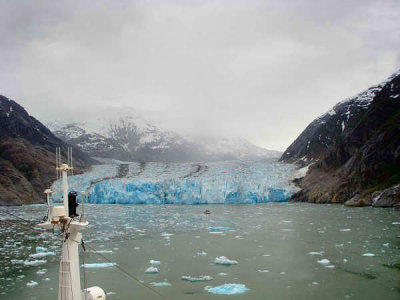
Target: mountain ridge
[(27, 155), (354, 161), (132, 139)]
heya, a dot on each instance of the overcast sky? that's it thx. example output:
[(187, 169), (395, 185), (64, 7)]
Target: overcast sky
[(259, 69)]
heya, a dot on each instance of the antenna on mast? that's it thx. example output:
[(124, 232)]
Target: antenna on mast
[(57, 163), (65, 218), (72, 166)]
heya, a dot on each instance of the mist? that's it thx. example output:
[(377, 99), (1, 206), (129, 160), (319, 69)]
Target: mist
[(262, 70)]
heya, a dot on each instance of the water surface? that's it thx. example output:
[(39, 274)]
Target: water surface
[(282, 251)]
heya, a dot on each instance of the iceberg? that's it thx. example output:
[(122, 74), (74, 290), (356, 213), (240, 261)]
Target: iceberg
[(41, 249), (217, 228), (34, 263), (152, 270), (228, 289), (164, 283), (99, 265), (316, 253), (41, 271), (42, 254), (196, 278), (222, 260), (324, 261), (17, 261), (224, 182), (31, 283)]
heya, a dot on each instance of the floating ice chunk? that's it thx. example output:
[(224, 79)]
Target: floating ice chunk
[(154, 262), (228, 289), (41, 249), (104, 251), (46, 279), (202, 253), (266, 255), (287, 222), (152, 270), (395, 223), (41, 271), (330, 266), (17, 261), (369, 254), (287, 230), (345, 230), (42, 254), (31, 283), (197, 278), (217, 228), (163, 283), (136, 248), (222, 260), (99, 265), (324, 261), (314, 283), (34, 263), (222, 274), (164, 234), (316, 253), (263, 271), (385, 245)]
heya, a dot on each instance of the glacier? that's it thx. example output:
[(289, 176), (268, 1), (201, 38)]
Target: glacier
[(223, 182)]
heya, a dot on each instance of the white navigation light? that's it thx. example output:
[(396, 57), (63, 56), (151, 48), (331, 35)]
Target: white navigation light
[(94, 293)]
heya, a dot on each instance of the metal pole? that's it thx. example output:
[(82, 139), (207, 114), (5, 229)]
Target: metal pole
[(56, 164), (83, 206), (72, 166)]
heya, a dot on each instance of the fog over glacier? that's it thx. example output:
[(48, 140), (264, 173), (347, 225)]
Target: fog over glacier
[(258, 69)]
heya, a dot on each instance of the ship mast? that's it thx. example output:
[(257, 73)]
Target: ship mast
[(64, 217)]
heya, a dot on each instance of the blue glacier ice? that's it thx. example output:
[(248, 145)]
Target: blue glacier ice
[(225, 182), (228, 289)]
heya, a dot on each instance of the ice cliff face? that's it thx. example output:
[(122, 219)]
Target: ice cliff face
[(229, 182)]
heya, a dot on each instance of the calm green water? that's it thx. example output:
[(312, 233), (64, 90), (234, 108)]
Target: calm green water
[(271, 243)]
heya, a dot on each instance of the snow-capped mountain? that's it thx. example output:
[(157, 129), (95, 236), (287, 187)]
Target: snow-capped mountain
[(133, 139), (228, 147), (324, 131), (27, 155), (354, 150)]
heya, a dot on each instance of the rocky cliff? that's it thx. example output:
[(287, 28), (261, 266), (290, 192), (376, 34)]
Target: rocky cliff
[(27, 155), (353, 151)]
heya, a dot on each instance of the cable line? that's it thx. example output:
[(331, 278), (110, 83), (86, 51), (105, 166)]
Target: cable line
[(132, 277)]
